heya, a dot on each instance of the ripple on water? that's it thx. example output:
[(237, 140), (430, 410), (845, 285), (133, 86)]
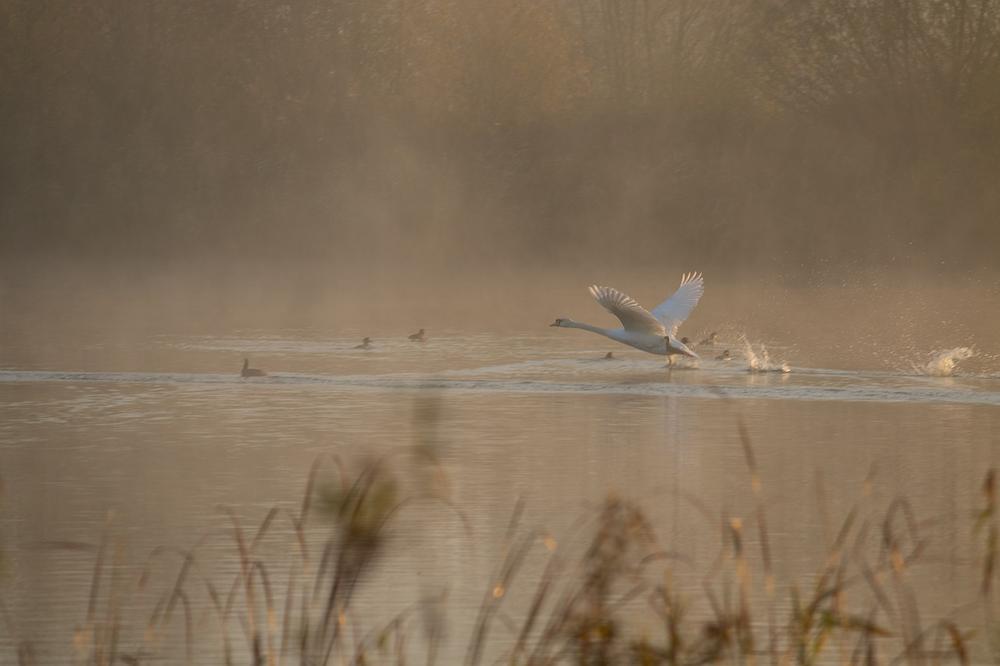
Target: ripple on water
[(557, 376)]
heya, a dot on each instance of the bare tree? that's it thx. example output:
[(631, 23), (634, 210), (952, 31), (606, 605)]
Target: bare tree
[(890, 60)]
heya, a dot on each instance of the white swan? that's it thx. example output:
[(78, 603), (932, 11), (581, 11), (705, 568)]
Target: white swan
[(653, 332)]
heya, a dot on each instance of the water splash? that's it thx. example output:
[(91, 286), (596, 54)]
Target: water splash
[(943, 362), (760, 360), (678, 362)]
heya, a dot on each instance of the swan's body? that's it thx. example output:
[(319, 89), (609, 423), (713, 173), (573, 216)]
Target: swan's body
[(418, 336), (652, 332), (247, 371), (366, 343)]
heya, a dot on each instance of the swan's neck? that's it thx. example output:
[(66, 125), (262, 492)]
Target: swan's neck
[(606, 332)]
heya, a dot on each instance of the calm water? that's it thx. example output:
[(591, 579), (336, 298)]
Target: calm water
[(150, 438)]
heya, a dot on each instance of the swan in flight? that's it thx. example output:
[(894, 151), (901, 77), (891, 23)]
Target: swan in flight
[(247, 371), (653, 332)]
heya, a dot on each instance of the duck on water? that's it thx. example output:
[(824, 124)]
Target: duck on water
[(247, 371)]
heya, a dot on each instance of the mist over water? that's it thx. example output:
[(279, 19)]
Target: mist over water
[(374, 141)]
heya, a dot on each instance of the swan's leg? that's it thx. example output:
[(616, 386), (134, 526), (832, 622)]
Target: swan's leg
[(670, 360)]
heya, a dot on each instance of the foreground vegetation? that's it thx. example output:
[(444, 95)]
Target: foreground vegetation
[(586, 605)]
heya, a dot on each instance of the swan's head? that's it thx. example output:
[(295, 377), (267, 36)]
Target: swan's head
[(559, 322), (685, 340), (246, 362)]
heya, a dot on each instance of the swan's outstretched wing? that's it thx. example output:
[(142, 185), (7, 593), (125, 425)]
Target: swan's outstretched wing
[(633, 316), (673, 311)]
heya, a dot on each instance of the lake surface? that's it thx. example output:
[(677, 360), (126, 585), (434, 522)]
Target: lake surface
[(147, 439)]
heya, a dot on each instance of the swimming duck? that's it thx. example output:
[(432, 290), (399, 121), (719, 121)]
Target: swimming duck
[(247, 371), (366, 343), (418, 336)]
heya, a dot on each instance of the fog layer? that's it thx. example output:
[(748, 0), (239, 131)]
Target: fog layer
[(348, 137)]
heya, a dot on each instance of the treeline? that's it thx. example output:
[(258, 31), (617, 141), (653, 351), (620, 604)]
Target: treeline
[(718, 131)]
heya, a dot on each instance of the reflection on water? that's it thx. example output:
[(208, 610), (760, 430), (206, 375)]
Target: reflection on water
[(151, 452)]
